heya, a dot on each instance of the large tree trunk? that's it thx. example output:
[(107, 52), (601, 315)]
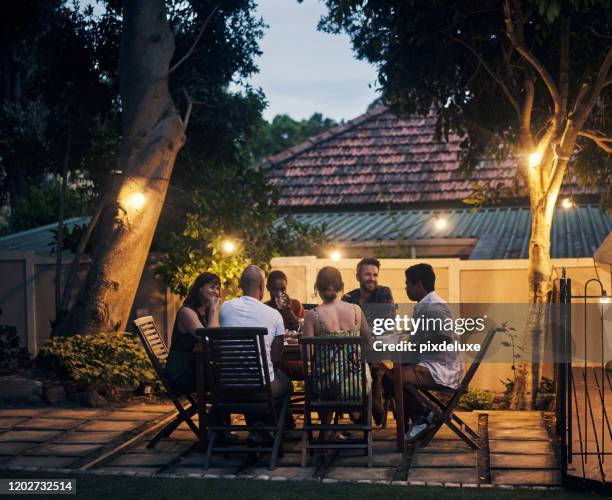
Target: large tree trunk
[(152, 136)]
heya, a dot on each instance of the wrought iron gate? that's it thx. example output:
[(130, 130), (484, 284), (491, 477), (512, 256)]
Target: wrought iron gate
[(584, 387)]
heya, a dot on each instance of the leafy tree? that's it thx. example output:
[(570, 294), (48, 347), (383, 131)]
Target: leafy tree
[(526, 79), (42, 205), (248, 218), (284, 132)]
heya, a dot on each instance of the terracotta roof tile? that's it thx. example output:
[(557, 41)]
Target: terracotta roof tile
[(378, 158)]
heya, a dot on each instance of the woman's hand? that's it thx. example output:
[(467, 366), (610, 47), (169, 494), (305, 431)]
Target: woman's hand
[(214, 304)]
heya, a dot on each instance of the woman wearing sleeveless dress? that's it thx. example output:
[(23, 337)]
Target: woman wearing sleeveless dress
[(199, 310), (335, 318)]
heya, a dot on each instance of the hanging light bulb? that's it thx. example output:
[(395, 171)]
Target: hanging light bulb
[(228, 246), (440, 222), (567, 203), (335, 255)]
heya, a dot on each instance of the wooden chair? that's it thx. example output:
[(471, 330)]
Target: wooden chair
[(444, 412), (324, 358), (237, 365), (158, 354)]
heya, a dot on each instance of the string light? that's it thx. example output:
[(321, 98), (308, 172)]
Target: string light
[(535, 158), (440, 222), (228, 246), (335, 255), (567, 203), (135, 201)]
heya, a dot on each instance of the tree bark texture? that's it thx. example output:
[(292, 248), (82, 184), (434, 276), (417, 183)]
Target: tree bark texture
[(153, 133)]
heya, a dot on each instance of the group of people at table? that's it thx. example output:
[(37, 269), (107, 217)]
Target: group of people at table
[(339, 314)]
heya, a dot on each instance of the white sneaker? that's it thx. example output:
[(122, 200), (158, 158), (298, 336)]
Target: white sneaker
[(416, 431)]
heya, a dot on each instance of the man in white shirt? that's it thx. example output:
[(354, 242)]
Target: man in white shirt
[(432, 369), (249, 311)]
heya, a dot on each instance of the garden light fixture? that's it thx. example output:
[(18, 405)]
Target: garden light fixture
[(135, 201)]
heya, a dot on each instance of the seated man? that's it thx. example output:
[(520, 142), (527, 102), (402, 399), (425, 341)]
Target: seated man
[(432, 369), (377, 302), (249, 311), (290, 309)]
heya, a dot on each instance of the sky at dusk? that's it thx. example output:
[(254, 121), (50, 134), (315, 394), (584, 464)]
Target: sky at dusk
[(303, 70)]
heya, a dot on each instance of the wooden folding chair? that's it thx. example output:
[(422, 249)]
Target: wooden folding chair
[(335, 383), (237, 365), (158, 354), (444, 412)]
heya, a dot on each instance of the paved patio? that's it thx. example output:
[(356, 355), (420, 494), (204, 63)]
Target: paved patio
[(517, 451)]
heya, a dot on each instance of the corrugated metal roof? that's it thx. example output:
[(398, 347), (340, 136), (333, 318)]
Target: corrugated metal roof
[(39, 239), (503, 232)]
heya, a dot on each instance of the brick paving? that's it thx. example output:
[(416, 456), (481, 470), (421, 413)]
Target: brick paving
[(519, 447)]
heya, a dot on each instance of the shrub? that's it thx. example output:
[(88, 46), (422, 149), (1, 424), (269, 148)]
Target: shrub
[(11, 355), (112, 359), (478, 399)]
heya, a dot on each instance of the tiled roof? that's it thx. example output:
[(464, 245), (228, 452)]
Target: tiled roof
[(377, 159), (39, 239), (503, 232)]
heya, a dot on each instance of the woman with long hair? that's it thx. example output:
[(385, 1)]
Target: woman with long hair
[(200, 309), (336, 318)]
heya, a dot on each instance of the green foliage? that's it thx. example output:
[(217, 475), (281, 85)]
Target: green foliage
[(42, 206), (113, 359), (11, 355), (248, 217), (284, 132), (453, 58), (478, 399)]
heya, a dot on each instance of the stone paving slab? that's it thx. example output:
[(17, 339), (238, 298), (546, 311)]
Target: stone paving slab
[(84, 414), (131, 415), (358, 473), (78, 437), (144, 459), (64, 450), (149, 471), (156, 408), (63, 424), (444, 475), (23, 412), (280, 472), (525, 477), (462, 459), (17, 448), (197, 460), (44, 462), (8, 422), (110, 425), (30, 436)]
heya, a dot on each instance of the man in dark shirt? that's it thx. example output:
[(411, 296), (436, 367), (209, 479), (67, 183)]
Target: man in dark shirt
[(290, 309), (376, 302)]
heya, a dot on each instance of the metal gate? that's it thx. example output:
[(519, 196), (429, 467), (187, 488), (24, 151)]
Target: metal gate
[(584, 386)]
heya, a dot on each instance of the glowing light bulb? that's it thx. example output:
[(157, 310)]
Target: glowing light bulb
[(335, 255), (135, 201), (228, 246), (567, 203), (535, 158), (440, 223)]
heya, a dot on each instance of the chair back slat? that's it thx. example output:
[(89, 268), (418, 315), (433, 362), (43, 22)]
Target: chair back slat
[(334, 370), (152, 341), (484, 347), (237, 362)]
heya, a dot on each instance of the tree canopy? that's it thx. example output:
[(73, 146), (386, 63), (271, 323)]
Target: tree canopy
[(488, 68)]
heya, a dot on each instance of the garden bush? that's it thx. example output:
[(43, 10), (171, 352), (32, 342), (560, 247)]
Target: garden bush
[(111, 359), (478, 399), (11, 355)]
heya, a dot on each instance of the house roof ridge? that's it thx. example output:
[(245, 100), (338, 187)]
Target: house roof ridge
[(272, 160)]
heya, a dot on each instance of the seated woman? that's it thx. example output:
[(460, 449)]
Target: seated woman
[(199, 310), (335, 318)]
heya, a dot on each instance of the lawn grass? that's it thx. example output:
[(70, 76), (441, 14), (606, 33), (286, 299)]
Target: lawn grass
[(115, 487)]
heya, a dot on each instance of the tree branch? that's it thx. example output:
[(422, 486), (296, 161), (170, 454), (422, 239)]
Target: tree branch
[(597, 139), (500, 82), (197, 39), (564, 64), (518, 41)]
